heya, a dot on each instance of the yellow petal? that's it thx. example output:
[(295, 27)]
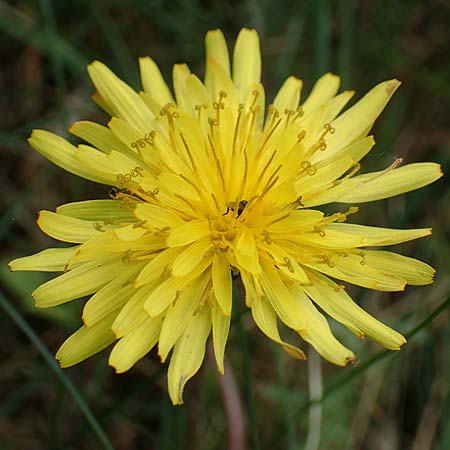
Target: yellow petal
[(78, 282), (110, 297), (130, 232), (97, 135), (222, 283), (178, 314), (374, 235), (334, 106), (180, 74), (50, 260), (383, 184), (157, 266), (190, 257), (135, 345), (358, 120), (356, 150), (124, 101), (412, 270), (248, 262), (318, 332), (334, 300), (103, 104), (85, 342), (281, 299), (198, 94), (288, 96), (298, 220), (153, 82), (220, 330), (188, 232), (98, 210), (216, 48), (108, 244), (325, 88), (133, 313), (157, 216), (245, 242), (264, 317), (220, 81), (169, 290), (246, 62), (188, 354), (62, 153), (127, 135), (67, 229), (322, 179), (353, 267)]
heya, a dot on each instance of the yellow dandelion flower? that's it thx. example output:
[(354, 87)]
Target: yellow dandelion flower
[(209, 184)]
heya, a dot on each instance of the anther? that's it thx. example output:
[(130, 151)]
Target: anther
[(99, 227), (301, 136), (363, 258), (320, 231), (139, 224), (288, 264), (267, 239), (126, 257), (299, 113)]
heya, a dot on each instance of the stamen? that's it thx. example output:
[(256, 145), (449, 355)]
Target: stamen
[(188, 151), (99, 227), (141, 143), (301, 136), (263, 172), (326, 260), (320, 231), (272, 129), (185, 200), (266, 236), (288, 264), (217, 161), (255, 94), (235, 135), (126, 257), (299, 113), (199, 108), (162, 233), (278, 219), (308, 168), (139, 224), (363, 256), (289, 113)]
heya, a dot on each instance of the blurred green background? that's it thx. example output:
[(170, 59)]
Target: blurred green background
[(388, 401)]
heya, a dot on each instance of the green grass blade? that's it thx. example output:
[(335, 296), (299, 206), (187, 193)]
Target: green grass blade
[(363, 366), (21, 27), (57, 62), (344, 51), (49, 359), (322, 50)]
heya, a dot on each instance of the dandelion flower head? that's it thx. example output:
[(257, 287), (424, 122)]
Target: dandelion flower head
[(210, 185)]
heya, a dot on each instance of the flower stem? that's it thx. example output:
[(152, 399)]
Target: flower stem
[(315, 395), (253, 423), (233, 405), (50, 360)]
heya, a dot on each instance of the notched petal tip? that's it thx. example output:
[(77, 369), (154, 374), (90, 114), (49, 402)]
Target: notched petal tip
[(351, 360), (392, 86), (32, 135)]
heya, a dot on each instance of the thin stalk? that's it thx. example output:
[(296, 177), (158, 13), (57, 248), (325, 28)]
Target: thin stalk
[(315, 395), (50, 360), (248, 387)]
